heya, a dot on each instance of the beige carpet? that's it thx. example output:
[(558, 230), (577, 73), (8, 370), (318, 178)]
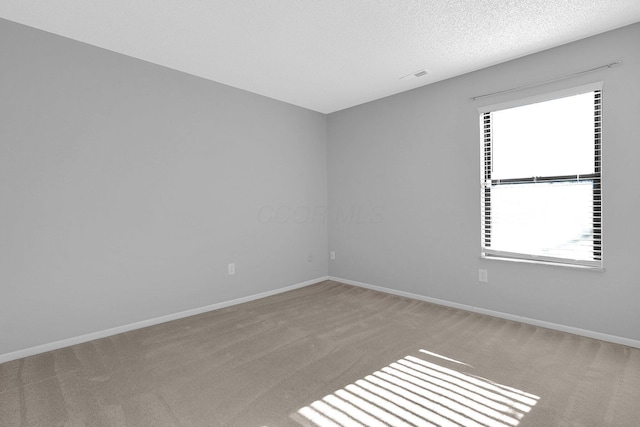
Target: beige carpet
[(328, 354)]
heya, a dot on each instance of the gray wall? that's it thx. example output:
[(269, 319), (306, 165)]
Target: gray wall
[(410, 165), (126, 188)]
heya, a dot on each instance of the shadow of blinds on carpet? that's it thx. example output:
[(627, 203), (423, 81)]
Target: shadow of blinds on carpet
[(414, 391)]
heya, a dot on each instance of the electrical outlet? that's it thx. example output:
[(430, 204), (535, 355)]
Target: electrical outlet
[(483, 276), (231, 268), (333, 254)]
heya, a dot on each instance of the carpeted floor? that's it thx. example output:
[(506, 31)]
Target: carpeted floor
[(328, 354)]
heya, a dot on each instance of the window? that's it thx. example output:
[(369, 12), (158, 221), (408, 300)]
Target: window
[(541, 178)]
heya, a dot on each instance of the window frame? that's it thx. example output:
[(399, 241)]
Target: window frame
[(486, 159)]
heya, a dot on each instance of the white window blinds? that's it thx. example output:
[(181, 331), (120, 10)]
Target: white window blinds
[(541, 179)]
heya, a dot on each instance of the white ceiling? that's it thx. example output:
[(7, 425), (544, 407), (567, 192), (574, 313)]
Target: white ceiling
[(325, 55)]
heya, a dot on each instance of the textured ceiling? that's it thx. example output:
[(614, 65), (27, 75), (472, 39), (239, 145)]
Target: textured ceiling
[(325, 55)]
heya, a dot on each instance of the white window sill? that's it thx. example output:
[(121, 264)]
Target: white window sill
[(533, 261)]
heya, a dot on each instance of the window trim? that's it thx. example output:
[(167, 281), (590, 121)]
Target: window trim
[(486, 158), (547, 96)]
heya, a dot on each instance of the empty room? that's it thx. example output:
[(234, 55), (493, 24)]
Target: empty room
[(264, 213)]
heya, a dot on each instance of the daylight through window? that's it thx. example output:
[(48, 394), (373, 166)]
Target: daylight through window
[(541, 179)]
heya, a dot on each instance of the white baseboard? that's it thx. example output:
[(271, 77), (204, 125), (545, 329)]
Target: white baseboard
[(144, 323), (549, 325), (162, 319)]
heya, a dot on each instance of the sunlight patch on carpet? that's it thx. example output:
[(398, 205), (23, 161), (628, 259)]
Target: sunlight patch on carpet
[(416, 392)]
